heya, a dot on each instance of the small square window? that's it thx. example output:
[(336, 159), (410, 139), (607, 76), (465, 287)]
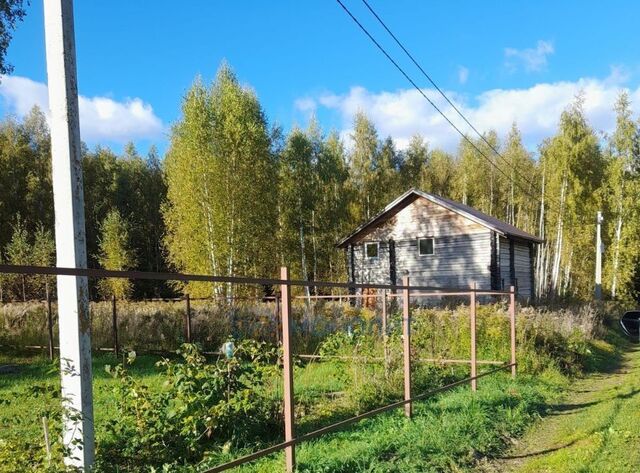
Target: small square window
[(371, 250), (425, 246)]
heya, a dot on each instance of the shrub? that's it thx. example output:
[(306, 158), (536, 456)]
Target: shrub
[(199, 407)]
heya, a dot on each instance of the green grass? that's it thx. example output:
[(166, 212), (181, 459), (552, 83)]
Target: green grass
[(448, 433), (455, 431), (593, 428), (31, 392)]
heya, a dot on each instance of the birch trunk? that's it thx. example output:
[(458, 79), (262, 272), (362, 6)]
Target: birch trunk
[(211, 249), (315, 249), (303, 257), (555, 273), (232, 244), (541, 275), (616, 250), (566, 279), (491, 193), (464, 191), (512, 205)]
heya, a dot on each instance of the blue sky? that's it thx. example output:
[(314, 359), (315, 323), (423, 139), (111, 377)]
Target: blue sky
[(500, 61)]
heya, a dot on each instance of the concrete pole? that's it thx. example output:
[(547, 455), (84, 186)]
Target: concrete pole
[(71, 251), (599, 251)]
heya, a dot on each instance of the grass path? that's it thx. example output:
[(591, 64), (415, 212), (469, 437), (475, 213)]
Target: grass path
[(595, 428)]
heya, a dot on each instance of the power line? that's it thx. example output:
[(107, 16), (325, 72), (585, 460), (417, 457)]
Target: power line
[(463, 135), (420, 91), (415, 62)]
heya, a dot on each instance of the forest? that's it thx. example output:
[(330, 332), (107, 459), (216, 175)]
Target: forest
[(237, 195)]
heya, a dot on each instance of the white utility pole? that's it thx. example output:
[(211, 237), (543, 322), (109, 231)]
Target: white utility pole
[(71, 251), (599, 251)]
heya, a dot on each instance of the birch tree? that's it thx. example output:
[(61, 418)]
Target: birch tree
[(42, 254), (623, 224), (221, 210), (414, 168), (440, 174), (331, 221), (115, 254), (362, 160), (18, 253), (576, 160), (297, 194), (519, 206)]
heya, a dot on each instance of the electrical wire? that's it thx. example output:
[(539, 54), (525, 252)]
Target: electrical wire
[(451, 103), (432, 103)]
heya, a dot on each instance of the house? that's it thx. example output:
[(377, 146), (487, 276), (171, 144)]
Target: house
[(440, 243)]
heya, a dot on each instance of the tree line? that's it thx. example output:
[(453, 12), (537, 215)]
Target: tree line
[(235, 195)]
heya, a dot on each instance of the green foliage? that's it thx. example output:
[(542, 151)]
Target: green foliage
[(19, 253), (200, 406), (236, 196), (134, 186), (221, 173), (11, 12), (115, 254)]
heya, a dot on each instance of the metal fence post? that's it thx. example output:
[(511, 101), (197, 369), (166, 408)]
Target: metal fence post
[(114, 325), (512, 320), (187, 319), (406, 343), (474, 367), (385, 337), (289, 428), (50, 325)]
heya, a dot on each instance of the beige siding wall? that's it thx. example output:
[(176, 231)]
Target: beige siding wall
[(523, 269), (462, 249), (374, 270), (522, 264)]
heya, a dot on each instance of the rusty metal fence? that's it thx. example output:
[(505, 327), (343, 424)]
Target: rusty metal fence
[(404, 292)]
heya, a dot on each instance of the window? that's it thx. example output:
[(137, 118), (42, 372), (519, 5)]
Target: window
[(425, 246), (371, 250)]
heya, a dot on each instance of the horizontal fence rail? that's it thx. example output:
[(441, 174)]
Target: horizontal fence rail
[(378, 359), (159, 276)]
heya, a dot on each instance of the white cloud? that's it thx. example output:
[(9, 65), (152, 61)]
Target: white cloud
[(101, 118), (463, 74), (532, 59), (536, 110), (305, 104)]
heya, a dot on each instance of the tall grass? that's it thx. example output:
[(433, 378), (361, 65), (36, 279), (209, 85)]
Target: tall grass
[(440, 332)]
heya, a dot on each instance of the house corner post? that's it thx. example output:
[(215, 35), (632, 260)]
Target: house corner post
[(289, 427)]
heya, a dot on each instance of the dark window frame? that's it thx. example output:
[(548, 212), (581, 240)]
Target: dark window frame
[(433, 246), (366, 250)]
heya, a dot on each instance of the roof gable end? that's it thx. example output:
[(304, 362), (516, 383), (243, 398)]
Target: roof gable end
[(463, 210)]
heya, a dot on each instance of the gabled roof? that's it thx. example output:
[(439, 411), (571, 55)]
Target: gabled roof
[(475, 215)]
